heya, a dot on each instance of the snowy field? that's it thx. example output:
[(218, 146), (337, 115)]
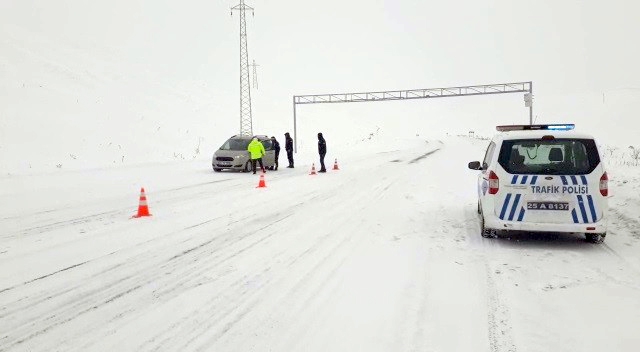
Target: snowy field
[(383, 255)]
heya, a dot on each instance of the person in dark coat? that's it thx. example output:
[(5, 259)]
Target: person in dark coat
[(322, 150), (288, 146), (276, 147)]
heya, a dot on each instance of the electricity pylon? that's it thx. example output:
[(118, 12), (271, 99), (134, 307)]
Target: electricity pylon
[(246, 123), (255, 74)]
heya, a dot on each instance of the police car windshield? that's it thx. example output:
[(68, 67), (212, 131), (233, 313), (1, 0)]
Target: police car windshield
[(549, 157), (235, 144)]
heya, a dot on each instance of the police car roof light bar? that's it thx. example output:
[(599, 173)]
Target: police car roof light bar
[(553, 127), (565, 127)]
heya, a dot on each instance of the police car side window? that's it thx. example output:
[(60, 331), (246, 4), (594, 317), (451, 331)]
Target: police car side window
[(488, 155)]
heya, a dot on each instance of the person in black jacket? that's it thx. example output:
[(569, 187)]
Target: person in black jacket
[(322, 150), (276, 147), (288, 146)]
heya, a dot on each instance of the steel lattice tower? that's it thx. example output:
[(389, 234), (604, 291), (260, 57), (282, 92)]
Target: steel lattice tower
[(255, 74), (246, 123)]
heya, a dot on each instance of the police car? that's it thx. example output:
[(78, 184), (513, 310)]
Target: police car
[(542, 178)]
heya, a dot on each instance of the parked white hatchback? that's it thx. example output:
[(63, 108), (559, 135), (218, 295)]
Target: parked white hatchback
[(233, 154), (542, 178)]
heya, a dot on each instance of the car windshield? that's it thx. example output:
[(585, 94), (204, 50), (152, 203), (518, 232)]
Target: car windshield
[(235, 144), (549, 157)]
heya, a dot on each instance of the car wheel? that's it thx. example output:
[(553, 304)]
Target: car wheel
[(248, 167), (485, 232), (216, 169), (595, 237)]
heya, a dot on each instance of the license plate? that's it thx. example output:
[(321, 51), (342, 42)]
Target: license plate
[(547, 205), (224, 163)]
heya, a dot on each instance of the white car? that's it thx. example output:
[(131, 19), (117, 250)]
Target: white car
[(542, 178), (233, 154)]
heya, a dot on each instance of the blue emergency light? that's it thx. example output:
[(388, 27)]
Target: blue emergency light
[(567, 127), (552, 127)]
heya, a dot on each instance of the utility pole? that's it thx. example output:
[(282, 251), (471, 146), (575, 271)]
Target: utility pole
[(246, 123), (255, 74), (531, 103), (528, 102)]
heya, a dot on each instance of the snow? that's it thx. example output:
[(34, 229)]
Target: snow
[(100, 99), (384, 254)]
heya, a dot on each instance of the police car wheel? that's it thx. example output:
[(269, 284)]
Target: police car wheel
[(595, 237), (485, 232), (216, 169), (248, 167)]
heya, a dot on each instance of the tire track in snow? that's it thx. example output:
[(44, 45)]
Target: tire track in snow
[(141, 244), (189, 192), (43, 277), (500, 334), (498, 315), (625, 262), (500, 331), (335, 256), (312, 292), (48, 296), (107, 293), (238, 311), (191, 330), (421, 157), (36, 230), (146, 273), (208, 267), (415, 306), (631, 225), (308, 296), (210, 312)]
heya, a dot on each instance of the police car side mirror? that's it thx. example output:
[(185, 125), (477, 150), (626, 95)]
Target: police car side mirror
[(475, 165)]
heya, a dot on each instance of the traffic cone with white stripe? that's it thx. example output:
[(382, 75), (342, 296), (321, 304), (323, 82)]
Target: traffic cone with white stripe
[(143, 208), (313, 169), (262, 183), (335, 165)]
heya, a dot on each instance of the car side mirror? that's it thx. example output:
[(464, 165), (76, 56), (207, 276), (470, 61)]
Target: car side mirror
[(475, 165)]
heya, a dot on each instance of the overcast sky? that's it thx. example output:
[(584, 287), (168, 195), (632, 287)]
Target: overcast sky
[(581, 55)]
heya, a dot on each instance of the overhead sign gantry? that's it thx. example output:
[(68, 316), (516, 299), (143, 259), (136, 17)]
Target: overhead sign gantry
[(449, 92)]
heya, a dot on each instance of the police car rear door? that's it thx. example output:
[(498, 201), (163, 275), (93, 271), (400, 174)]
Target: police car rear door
[(550, 180)]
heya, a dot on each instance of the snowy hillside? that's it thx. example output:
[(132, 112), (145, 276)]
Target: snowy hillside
[(77, 109)]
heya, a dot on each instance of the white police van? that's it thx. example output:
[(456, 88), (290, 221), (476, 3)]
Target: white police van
[(542, 178)]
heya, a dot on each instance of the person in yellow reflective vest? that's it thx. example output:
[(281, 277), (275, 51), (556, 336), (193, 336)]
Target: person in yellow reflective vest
[(256, 149)]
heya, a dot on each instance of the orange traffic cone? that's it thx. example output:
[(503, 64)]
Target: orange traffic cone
[(262, 184), (143, 208), (335, 165), (313, 169)]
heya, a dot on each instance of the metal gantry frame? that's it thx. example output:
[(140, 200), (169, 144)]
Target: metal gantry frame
[(449, 92)]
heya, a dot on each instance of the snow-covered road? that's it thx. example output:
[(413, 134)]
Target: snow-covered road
[(383, 255)]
